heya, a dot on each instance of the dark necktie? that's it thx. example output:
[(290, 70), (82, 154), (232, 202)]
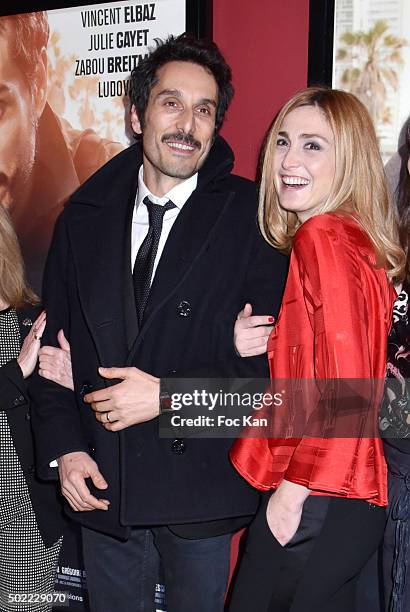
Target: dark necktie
[(144, 262)]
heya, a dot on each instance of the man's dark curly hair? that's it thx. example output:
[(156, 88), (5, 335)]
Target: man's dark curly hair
[(183, 48)]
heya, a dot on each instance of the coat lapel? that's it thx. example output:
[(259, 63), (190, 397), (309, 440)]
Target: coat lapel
[(190, 236), (130, 310), (101, 251), (192, 231)]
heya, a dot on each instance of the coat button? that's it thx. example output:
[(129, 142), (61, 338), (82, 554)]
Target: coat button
[(27, 416), (184, 309), (31, 469), (178, 447)]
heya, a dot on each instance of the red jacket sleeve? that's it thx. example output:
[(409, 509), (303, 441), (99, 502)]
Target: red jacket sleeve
[(342, 292)]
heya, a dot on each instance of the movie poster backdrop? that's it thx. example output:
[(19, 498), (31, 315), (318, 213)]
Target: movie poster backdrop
[(83, 120), (67, 116)]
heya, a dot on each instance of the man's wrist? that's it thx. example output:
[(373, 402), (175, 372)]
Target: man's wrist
[(165, 404)]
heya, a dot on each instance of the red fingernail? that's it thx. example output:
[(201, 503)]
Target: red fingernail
[(271, 319)]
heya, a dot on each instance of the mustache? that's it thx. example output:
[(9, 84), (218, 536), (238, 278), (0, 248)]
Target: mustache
[(184, 138)]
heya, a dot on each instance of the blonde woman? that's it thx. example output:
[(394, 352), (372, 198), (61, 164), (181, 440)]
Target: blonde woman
[(323, 198), (30, 523)]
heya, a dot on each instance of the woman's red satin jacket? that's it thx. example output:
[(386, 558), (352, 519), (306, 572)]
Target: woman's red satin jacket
[(330, 340)]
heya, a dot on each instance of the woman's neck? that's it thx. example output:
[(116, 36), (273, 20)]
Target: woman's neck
[(3, 304)]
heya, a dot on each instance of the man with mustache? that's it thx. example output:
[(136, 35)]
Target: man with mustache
[(42, 158), (150, 263)]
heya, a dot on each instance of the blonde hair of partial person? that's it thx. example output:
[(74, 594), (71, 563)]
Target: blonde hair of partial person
[(13, 288), (359, 185)]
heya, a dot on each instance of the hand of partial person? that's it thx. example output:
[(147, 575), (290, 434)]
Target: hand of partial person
[(284, 510), (134, 400), (55, 363), (29, 351), (251, 333), (73, 469)]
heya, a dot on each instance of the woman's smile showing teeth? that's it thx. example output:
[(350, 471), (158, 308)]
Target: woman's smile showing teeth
[(295, 181)]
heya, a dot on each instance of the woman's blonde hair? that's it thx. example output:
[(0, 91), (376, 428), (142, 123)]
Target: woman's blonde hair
[(359, 185), (13, 288)]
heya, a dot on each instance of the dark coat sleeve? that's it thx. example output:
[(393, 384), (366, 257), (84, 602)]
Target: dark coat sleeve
[(56, 422), (13, 391)]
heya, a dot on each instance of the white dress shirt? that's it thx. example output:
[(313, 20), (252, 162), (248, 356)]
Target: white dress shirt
[(140, 220)]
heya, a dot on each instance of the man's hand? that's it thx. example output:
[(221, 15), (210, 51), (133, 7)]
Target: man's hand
[(55, 363), (134, 400), (251, 333), (284, 510), (73, 469)]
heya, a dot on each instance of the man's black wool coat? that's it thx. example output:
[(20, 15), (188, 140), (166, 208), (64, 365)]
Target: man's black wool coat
[(213, 262)]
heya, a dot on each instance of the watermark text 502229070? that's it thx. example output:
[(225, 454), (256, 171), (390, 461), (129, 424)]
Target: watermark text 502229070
[(23, 601)]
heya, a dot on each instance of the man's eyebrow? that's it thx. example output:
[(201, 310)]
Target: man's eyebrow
[(208, 101), (304, 136), (169, 92), (178, 94)]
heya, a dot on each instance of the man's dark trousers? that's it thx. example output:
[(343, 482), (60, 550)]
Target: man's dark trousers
[(195, 571)]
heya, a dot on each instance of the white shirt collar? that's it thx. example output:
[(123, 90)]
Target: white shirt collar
[(178, 194)]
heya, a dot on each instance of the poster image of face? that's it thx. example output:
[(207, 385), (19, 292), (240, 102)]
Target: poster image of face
[(64, 106)]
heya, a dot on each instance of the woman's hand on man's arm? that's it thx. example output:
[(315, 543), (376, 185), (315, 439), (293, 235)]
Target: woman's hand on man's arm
[(28, 356), (251, 333)]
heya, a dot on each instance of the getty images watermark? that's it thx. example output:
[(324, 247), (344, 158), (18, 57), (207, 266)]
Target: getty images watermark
[(225, 399), (218, 408), (203, 399), (281, 408)]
